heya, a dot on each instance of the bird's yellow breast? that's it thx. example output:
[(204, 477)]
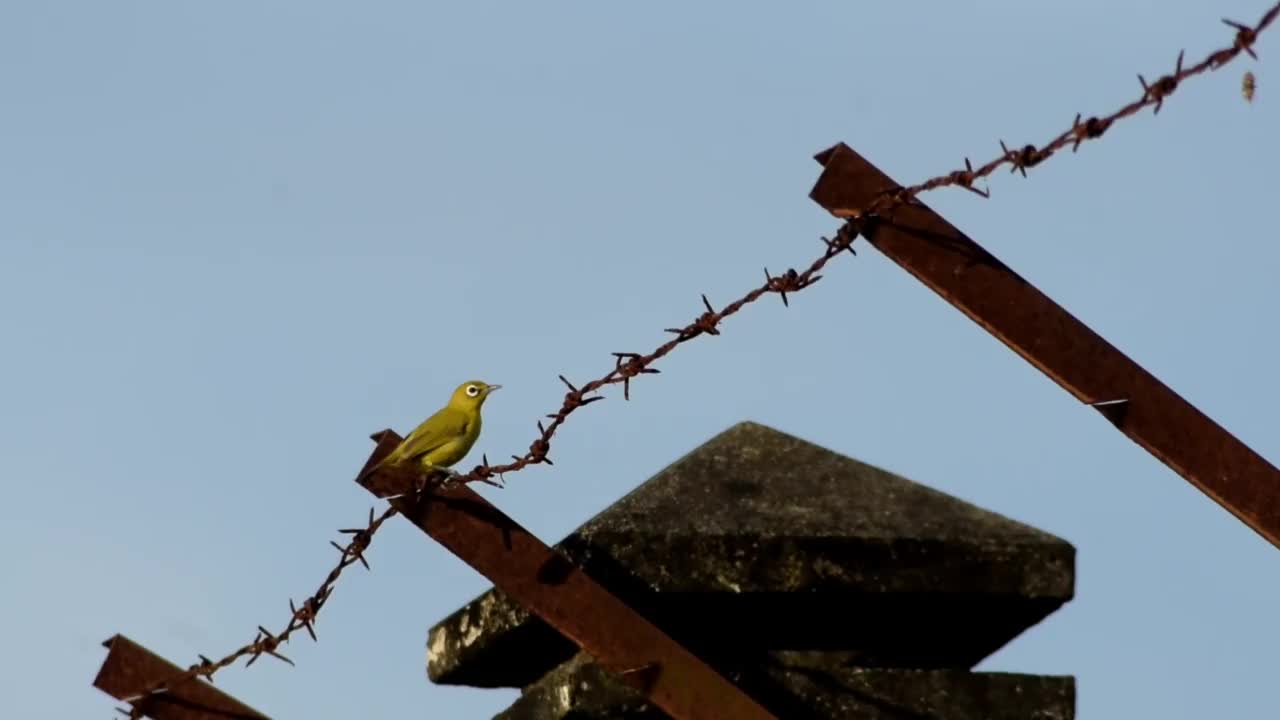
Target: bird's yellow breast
[(454, 450)]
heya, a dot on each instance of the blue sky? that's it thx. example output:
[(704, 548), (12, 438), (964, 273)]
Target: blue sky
[(235, 238)]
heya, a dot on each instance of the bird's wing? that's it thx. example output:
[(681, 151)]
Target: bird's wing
[(446, 425)]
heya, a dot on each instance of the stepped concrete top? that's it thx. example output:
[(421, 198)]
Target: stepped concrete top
[(758, 540)]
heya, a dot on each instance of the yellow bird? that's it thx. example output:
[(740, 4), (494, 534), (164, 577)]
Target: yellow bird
[(447, 436)]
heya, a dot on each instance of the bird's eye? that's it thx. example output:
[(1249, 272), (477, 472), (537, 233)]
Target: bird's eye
[(472, 390)]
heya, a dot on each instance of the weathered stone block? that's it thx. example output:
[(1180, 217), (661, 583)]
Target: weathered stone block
[(758, 541)]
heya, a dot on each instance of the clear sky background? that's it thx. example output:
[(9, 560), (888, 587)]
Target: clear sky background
[(235, 238)]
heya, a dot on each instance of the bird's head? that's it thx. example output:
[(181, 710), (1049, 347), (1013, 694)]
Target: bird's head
[(471, 394)]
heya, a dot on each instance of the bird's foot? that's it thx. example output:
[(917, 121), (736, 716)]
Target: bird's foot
[(441, 476)]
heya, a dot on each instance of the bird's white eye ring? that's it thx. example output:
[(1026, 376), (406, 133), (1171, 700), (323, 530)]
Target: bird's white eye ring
[(472, 390)]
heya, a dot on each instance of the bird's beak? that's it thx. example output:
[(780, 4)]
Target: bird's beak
[(494, 387)]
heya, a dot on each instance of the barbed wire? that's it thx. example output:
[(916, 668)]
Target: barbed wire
[(1153, 94), (630, 365), (302, 616)]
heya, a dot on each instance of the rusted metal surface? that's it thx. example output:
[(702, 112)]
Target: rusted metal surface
[(557, 591), (1046, 335), (131, 669)]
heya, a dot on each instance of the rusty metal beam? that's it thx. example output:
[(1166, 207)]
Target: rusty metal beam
[(130, 669), (560, 593), (1047, 336)]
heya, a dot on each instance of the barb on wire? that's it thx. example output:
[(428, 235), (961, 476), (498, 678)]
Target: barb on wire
[(964, 178), (629, 366)]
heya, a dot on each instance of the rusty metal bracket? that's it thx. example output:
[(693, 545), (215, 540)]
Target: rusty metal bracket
[(1050, 338), (130, 669), (560, 593)]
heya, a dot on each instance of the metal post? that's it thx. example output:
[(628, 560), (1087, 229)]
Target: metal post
[(130, 669), (559, 592), (1050, 338)]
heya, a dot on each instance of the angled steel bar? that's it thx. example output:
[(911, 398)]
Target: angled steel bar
[(1047, 336), (130, 669), (560, 593)]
